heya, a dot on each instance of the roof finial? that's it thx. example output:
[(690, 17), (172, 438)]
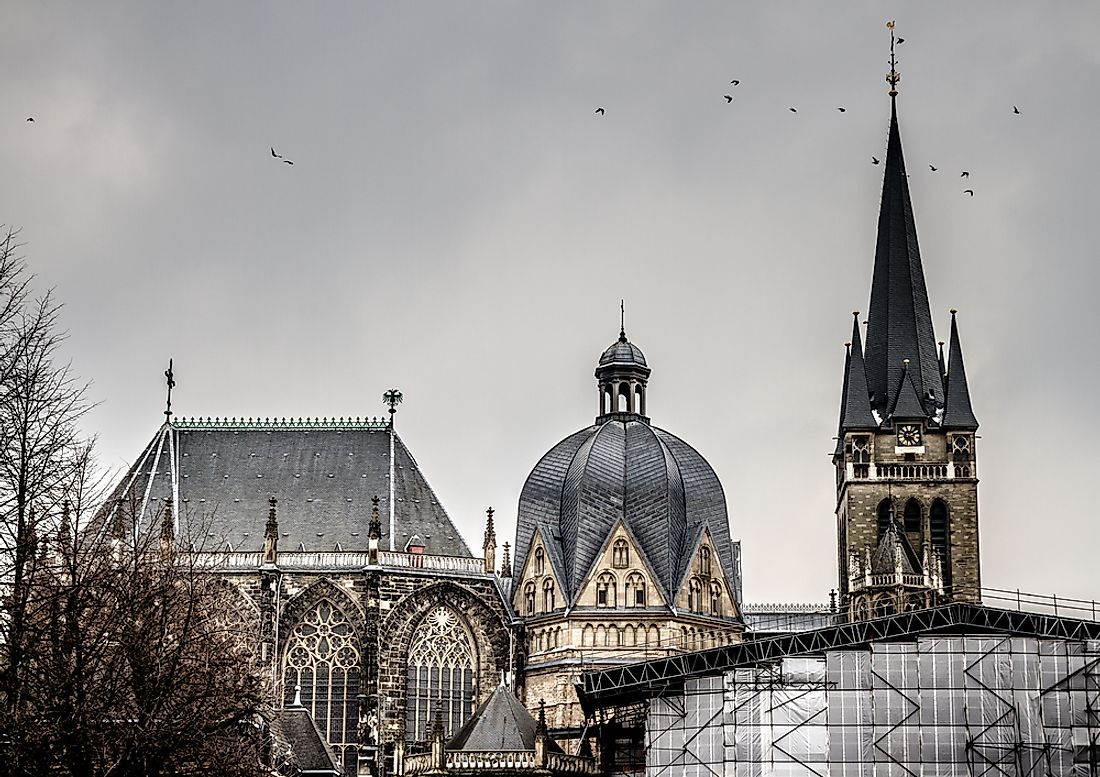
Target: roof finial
[(171, 378), (893, 76), (393, 397), (622, 321)]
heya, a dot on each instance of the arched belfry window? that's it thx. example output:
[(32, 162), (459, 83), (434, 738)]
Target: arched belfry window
[(912, 516), (322, 656), (440, 675), (885, 516), (620, 554), (939, 530)]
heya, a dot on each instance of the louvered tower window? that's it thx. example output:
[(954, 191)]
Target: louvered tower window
[(912, 516), (940, 531), (440, 677), (322, 657), (885, 515)]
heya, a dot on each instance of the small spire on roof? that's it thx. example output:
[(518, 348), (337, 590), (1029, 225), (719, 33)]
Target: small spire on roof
[(622, 321), (171, 380), (958, 412), (506, 562)]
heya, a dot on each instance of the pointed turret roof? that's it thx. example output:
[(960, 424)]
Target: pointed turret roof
[(894, 553), (958, 414), (855, 410), (501, 723), (899, 323), (907, 404)]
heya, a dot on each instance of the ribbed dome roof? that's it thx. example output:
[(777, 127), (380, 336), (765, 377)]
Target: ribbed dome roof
[(623, 352), (662, 488)]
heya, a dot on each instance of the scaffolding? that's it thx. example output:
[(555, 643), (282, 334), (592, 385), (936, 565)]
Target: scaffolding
[(958, 690)]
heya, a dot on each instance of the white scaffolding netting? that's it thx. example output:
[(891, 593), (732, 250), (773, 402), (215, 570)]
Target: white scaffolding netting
[(950, 705)]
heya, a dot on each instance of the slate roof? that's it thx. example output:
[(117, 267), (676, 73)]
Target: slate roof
[(907, 404), (299, 747), (894, 553), (323, 474), (958, 414), (899, 323), (623, 352), (855, 407), (501, 723), (623, 469)]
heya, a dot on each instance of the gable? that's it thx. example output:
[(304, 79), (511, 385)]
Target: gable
[(621, 561)]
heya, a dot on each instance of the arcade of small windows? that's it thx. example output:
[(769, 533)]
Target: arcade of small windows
[(620, 554), (615, 636), (322, 659), (440, 677)]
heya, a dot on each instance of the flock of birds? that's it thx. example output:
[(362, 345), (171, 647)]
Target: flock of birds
[(874, 160), (600, 111)]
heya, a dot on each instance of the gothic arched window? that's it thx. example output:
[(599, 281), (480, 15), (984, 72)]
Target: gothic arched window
[(695, 595), (606, 590), (704, 560), (940, 530), (548, 595), (885, 516), (912, 516), (715, 598), (322, 657), (620, 554), (635, 590), (540, 561), (440, 677), (529, 598)]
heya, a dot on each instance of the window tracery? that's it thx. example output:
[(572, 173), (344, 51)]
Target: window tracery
[(695, 595), (440, 676), (606, 590), (529, 598), (715, 598), (322, 657), (635, 590), (548, 596)]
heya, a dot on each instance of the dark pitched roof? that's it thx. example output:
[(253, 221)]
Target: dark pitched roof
[(894, 554), (958, 414), (907, 404), (299, 745), (501, 723), (323, 474), (855, 408), (899, 323)]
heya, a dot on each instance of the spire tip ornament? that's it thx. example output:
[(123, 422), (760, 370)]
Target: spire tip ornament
[(893, 76), (171, 382)]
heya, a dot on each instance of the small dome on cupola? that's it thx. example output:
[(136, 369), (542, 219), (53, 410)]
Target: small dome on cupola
[(623, 353)]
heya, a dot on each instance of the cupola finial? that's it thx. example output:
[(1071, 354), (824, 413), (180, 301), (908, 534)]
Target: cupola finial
[(622, 321)]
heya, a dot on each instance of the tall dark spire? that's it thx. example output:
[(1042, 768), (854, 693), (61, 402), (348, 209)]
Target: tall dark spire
[(899, 323), (958, 414), (855, 408)]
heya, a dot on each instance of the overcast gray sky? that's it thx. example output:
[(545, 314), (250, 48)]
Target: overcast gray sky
[(459, 223)]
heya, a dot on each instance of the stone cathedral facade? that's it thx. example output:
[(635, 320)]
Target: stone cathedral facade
[(365, 601)]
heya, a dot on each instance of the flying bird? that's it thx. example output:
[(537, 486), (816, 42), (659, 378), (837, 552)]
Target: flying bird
[(728, 98), (842, 109), (874, 160), (30, 118), (964, 174), (1015, 110), (599, 111), (287, 162), (901, 41), (735, 82), (968, 191), (277, 156), (933, 168), (793, 110)]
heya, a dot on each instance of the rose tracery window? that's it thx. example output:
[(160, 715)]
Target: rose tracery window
[(322, 657), (440, 676)]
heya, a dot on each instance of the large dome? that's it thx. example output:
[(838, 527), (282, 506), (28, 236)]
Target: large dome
[(623, 469)]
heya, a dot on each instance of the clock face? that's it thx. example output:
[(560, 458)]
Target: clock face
[(908, 435)]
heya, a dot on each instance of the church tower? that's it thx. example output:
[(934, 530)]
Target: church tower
[(906, 472)]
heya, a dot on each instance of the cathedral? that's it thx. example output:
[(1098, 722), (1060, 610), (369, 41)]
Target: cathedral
[(370, 610)]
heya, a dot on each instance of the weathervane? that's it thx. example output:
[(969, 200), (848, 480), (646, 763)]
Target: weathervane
[(171, 385), (893, 76), (393, 397)]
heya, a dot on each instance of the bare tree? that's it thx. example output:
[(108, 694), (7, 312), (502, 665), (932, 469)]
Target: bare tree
[(118, 655)]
